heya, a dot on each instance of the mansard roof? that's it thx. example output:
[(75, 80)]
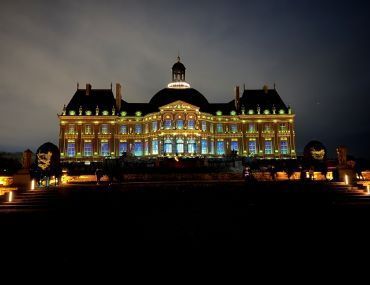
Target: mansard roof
[(266, 99), (103, 98)]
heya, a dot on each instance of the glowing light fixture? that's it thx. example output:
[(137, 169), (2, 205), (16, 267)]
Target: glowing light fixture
[(33, 184), (346, 179), (10, 197), (179, 85), (368, 189)]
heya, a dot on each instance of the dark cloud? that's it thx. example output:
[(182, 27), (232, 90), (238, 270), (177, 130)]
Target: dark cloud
[(315, 51)]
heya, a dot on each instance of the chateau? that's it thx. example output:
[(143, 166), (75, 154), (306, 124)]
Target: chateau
[(177, 121)]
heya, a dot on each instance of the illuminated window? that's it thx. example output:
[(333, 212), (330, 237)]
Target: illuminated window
[(123, 129), (204, 126), (168, 146), (204, 147), (180, 146), (154, 147), (71, 149), (71, 129), (154, 126), (192, 147), (234, 146), (122, 148), (146, 148), (167, 124), (88, 149), (268, 147), (233, 128), (88, 129), (220, 148), (191, 124), (220, 128), (252, 146), (180, 124), (251, 127), (138, 148), (284, 147), (137, 128), (104, 129), (104, 149)]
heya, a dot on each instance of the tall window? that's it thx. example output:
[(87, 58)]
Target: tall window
[(252, 147), (88, 130), (168, 146), (137, 128), (220, 147), (104, 148), (204, 126), (204, 147), (180, 124), (220, 128), (71, 129), (71, 149), (284, 147), (88, 149), (191, 124), (167, 124), (268, 147), (192, 147), (234, 146), (123, 129), (154, 126), (154, 147), (104, 129), (146, 148), (180, 146), (138, 148), (233, 128), (122, 148), (251, 127)]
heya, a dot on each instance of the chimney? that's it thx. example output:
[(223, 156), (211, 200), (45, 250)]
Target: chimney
[(118, 96), (88, 89), (237, 98)]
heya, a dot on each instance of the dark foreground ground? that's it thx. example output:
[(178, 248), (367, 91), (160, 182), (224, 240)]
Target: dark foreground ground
[(74, 225)]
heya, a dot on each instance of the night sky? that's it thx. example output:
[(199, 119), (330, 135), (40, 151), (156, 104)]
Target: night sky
[(317, 53)]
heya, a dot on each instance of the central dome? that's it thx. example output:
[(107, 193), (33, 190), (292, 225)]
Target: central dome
[(189, 95)]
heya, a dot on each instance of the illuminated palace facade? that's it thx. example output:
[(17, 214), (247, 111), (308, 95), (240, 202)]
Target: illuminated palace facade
[(177, 121)]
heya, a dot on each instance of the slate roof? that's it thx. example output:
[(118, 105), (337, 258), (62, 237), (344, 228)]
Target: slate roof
[(104, 99)]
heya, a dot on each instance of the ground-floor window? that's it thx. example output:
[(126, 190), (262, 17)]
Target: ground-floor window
[(168, 146), (138, 149), (192, 147), (234, 146), (252, 147), (104, 148), (220, 148), (122, 148), (180, 146), (71, 149), (146, 148), (284, 147), (88, 149), (268, 147), (204, 146), (155, 147)]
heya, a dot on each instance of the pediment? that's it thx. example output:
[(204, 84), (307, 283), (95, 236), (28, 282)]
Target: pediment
[(179, 106)]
